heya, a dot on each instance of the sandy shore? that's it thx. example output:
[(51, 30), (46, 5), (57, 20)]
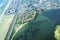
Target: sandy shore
[(4, 25)]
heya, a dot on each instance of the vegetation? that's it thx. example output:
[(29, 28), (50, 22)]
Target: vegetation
[(57, 32)]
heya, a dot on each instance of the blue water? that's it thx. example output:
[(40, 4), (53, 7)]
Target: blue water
[(1, 1), (4, 2), (53, 14)]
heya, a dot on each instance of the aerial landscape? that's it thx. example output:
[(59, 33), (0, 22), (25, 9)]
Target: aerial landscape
[(29, 20)]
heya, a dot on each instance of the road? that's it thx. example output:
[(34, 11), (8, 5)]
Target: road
[(11, 27), (4, 25)]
